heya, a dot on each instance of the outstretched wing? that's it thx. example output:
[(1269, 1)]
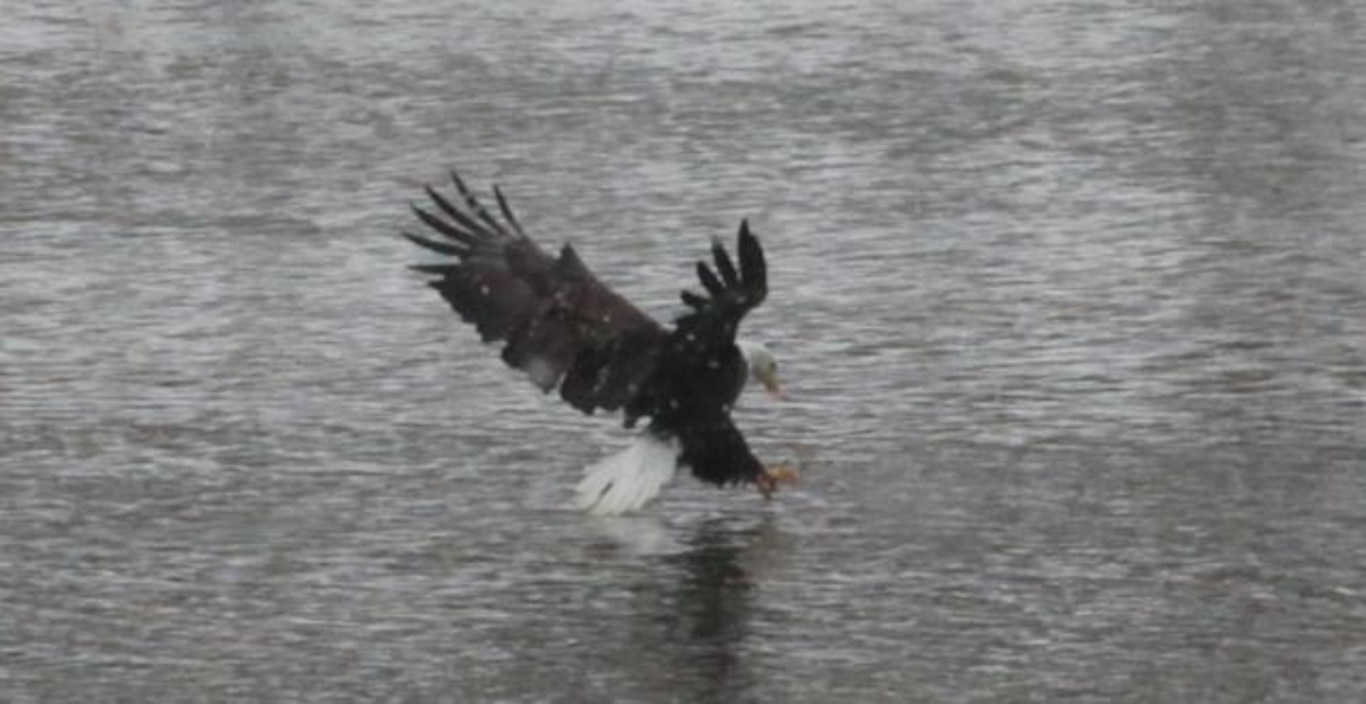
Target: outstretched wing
[(559, 323), (704, 337), (730, 293)]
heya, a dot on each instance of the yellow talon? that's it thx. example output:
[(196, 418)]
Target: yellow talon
[(773, 476)]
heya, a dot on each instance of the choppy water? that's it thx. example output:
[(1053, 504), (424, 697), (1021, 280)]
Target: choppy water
[(1071, 299)]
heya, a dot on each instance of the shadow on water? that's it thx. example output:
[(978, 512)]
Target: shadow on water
[(699, 618)]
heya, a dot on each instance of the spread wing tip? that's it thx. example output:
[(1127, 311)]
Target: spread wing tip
[(724, 266), (437, 269), (507, 211), (753, 268), (440, 247)]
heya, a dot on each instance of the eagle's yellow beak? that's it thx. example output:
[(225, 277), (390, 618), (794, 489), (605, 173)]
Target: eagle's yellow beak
[(769, 379)]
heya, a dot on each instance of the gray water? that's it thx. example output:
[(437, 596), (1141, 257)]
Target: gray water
[(1070, 298)]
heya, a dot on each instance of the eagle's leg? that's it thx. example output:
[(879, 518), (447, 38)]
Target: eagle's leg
[(772, 476)]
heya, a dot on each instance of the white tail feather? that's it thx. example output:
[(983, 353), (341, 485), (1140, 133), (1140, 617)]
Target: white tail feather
[(629, 479)]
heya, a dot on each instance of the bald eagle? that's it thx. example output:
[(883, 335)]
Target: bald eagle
[(567, 330)]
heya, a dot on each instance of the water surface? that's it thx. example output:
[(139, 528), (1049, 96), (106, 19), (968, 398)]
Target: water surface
[(1069, 297)]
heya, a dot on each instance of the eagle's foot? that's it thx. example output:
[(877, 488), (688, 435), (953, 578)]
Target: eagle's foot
[(771, 477)]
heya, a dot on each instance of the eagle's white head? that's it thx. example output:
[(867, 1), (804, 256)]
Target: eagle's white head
[(762, 366)]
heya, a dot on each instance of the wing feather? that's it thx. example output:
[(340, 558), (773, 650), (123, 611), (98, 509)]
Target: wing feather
[(715, 317), (693, 300), (557, 321), (724, 267), (507, 211), (441, 226), (753, 268), (439, 247), (474, 205), (472, 228), (438, 269), (709, 281)]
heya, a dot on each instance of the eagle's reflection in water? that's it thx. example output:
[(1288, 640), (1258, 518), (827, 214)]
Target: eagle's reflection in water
[(694, 612)]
